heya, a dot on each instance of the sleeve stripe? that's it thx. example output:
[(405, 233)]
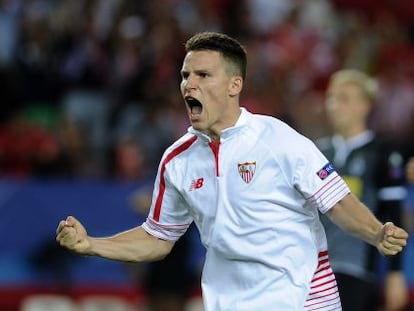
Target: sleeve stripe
[(331, 198), (168, 158), (325, 193), (323, 290), (165, 232), (329, 194), (328, 184), (171, 227)]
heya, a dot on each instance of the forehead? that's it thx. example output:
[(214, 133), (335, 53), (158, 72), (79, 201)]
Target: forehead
[(202, 60), (349, 87)]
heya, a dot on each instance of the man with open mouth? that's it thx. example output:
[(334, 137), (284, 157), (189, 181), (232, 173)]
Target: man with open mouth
[(254, 187)]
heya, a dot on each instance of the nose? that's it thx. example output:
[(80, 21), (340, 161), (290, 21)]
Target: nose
[(189, 83)]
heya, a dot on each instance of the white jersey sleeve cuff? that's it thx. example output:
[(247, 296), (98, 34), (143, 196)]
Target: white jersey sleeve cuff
[(164, 232), (329, 194)]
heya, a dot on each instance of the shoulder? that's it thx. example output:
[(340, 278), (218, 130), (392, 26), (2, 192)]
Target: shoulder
[(180, 146), (279, 137), (269, 126)]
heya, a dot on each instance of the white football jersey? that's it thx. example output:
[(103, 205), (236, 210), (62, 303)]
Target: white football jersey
[(255, 198)]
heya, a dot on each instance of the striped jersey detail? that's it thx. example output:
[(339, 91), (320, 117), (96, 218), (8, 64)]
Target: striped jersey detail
[(323, 295), (181, 148), (329, 194), (166, 232)]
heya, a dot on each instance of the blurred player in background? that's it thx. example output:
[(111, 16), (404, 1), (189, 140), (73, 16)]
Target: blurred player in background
[(410, 170), (253, 186), (374, 171)]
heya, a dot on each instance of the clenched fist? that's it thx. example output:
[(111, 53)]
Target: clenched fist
[(71, 234), (391, 239)]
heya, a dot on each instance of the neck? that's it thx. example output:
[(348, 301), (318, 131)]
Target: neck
[(215, 138), (351, 132), (215, 132)]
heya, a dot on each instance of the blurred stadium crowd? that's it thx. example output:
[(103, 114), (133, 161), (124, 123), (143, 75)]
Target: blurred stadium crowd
[(90, 89)]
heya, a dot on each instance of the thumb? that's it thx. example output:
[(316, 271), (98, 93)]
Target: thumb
[(71, 221), (389, 229)]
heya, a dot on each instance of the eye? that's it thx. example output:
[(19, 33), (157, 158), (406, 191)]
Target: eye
[(184, 75)]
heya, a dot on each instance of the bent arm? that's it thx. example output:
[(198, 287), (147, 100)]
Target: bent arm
[(134, 245), (351, 215), (355, 218)]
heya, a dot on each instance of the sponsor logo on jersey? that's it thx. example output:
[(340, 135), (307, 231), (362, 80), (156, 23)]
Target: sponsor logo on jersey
[(246, 170), (196, 184), (325, 171)]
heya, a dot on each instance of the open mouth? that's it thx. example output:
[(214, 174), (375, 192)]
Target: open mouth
[(195, 106)]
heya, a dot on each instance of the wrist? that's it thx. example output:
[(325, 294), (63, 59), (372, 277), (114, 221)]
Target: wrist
[(90, 246)]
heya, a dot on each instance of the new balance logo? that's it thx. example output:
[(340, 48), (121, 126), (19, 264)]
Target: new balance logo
[(196, 184)]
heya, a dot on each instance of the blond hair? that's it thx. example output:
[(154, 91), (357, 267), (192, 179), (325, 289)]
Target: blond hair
[(368, 85)]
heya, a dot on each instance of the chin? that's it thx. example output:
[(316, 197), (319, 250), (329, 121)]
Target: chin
[(197, 125)]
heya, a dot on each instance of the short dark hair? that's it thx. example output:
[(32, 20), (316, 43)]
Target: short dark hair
[(229, 48)]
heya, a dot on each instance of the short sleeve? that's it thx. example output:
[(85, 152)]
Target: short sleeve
[(317, 180), (169, 217)]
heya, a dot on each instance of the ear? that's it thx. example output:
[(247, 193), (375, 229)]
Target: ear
[(235, 85)]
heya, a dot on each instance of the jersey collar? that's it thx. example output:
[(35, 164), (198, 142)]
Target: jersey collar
[(344, 147), (354, 142)]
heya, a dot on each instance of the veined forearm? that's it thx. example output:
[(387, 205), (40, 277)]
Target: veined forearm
[(356, 219), (134, 245)]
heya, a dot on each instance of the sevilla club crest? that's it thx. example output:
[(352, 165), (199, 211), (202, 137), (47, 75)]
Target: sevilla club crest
[(246, 170)]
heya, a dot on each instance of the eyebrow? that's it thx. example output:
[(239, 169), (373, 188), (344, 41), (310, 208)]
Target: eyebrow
[(197, 71)]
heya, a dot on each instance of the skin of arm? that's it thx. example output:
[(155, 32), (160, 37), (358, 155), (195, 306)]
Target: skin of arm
[(395, 291), (355, 218), (134, 245), (410, 170)]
